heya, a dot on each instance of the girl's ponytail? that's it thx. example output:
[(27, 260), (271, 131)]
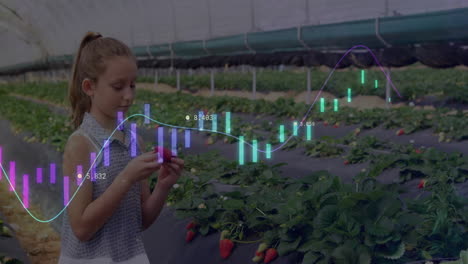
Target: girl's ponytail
[(80, 102)]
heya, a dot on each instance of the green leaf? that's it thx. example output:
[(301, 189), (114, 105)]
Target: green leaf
[(410, 219), (6, 232), (326, 217), (310, 245), (310, 258), (364, 256), (394, 252), (204, 230), (309, 179), (270, 235), (344, 254), (426, 255), (233, 204), (383, 240), (285, 247)]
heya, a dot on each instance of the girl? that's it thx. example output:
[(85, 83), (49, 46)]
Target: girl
[(104, 220)]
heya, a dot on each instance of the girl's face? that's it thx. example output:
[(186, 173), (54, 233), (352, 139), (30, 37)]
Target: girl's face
[(115, 88)]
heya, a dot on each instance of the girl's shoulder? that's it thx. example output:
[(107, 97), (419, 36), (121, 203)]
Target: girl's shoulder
[(78, 142)]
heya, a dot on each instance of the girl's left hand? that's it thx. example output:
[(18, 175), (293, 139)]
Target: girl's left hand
[(169, 174)]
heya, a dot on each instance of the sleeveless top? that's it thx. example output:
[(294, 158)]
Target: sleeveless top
[(119, 239)]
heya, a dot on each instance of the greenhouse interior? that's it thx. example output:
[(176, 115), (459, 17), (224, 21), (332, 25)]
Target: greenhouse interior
[(248, 131)]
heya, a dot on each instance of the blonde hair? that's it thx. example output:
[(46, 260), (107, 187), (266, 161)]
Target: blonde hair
[(90, 63)]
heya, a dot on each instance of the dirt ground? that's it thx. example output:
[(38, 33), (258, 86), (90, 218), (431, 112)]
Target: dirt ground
[(360, 102), (40, 242)]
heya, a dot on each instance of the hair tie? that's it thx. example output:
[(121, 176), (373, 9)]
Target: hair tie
[(98, 35)]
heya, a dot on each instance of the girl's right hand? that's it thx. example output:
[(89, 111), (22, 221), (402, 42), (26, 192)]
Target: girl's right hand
[(142, 167)]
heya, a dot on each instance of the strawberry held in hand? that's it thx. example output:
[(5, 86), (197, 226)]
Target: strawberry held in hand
[(167, 154)]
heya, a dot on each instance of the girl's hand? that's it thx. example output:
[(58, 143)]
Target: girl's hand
[(169, 174), (142, 167)]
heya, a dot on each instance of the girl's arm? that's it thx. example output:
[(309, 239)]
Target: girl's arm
[(151, 203), (86, 215)]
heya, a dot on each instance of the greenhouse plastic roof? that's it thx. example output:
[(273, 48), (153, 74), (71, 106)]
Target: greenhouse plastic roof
[(31, 30)]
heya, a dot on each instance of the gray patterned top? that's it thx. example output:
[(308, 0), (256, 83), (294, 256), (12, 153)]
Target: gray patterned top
[(120, 237)]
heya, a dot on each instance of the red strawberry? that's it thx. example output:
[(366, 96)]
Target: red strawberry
[(191, 225), (260, 254), (190, 235), (336, 126), (167, 154), (422, 184), (346, 162), (225, 248), (418, 151), (271, 254), (400, 132)]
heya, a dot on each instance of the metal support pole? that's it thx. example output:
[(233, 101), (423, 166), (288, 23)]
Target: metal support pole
[(254, 83), (309, 85), (156, 79), (178, 79), (212, 83)]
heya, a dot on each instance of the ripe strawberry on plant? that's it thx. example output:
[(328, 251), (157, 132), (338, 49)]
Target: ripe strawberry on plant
[(422, 184), (167, 154), (400, 132), (346, 162), (225, 248), (190, 235), (270, 255), (418, 151), (191, 225)]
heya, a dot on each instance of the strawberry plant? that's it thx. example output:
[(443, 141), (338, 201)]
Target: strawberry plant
[(322, 148)]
